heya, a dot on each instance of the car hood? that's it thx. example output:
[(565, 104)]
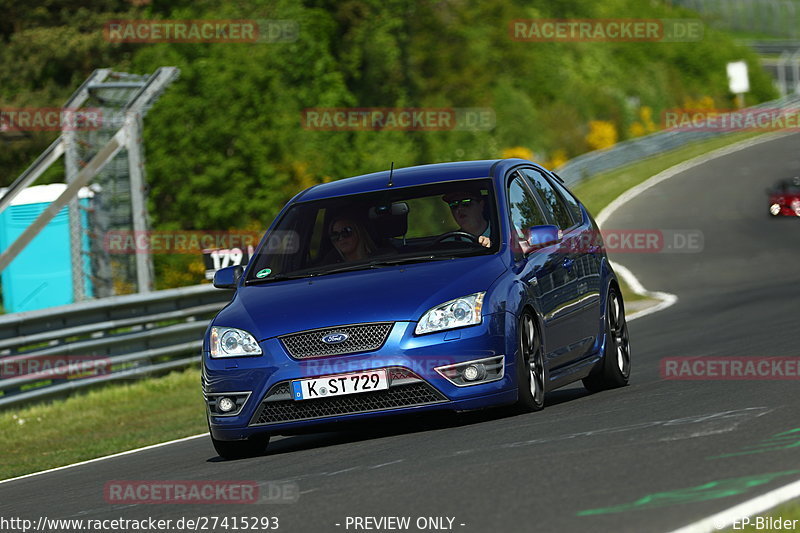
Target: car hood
[(391, 293), (784, 197)]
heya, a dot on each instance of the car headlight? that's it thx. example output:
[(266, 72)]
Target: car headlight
[(232, 342), (464, 311)]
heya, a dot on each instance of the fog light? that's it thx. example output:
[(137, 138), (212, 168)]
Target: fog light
[(474, 372), (775, 209), (225, 404)]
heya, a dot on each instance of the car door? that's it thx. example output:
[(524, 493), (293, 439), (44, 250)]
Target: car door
[(539, 271), (589, 243), (578, 313)]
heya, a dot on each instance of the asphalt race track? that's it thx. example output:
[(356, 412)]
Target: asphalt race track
[(654, 456)]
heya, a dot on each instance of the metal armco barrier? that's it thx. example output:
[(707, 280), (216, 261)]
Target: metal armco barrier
[(128, 336), (142, 334), (634, 150)]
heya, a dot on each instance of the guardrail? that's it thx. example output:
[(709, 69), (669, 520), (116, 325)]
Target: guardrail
[(135, 335), (634, 150), (117, 338), (773, 47)]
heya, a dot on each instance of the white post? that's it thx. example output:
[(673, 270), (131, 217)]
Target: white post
[(133, 123), (781, 64), (73, 211)]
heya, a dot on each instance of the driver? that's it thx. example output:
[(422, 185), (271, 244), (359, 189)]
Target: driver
[(467, 209)]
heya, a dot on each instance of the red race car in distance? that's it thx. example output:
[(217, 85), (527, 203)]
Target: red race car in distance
[(784, 198)]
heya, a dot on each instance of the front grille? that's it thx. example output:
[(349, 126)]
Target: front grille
[(361, 338), (408, 391)]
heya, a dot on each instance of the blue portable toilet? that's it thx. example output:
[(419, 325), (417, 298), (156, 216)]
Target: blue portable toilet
[(41, 275)]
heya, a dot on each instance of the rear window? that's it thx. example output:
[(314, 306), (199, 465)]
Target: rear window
[(553, 201)]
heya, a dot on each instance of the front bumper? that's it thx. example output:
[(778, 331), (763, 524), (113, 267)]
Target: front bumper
[(415, 384), (783, 210)]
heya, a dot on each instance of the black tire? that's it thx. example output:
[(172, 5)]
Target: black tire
[(615, 368), (530, 367), (240, 449)]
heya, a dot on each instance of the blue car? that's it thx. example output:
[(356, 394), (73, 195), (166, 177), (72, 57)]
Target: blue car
[(454, 286)]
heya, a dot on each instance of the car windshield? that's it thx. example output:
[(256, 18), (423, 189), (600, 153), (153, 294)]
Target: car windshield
[(789, 186), (445, 220)]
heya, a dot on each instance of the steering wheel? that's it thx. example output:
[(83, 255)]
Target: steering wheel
[(440, 238)]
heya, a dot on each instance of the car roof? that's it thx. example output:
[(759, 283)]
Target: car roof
[(409, 176)]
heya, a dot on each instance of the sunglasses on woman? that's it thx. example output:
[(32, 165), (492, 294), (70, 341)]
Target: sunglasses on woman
[(342, 234)]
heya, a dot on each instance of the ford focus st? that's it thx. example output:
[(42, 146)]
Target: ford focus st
[(455, 286)]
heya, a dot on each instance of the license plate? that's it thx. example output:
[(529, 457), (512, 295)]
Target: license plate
[(339, 385)]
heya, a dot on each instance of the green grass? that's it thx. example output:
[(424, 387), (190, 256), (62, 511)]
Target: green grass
[(116, 418), (629, 296), (100, 422), (600, 190)]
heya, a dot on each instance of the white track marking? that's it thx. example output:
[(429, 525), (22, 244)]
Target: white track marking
[(633, 192), (667, 299), (755, 505), (386, 464), (630, 279), (97, 459), (343, 471), (759, 504)]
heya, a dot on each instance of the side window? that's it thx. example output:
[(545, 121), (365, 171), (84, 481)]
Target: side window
[(524, 210), (572, 203), (552, 200)]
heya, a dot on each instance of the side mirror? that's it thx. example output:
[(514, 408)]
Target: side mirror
[(228, 277), (541, 236)]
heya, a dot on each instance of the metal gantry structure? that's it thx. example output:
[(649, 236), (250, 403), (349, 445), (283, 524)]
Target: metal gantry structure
[(789, 61), (111, 158)]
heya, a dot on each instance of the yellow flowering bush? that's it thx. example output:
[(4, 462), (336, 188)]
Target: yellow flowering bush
[(602, 134), (645, 124), (518, 151)]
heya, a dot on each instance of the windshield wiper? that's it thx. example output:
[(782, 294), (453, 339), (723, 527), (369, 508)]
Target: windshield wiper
[(312, 274), (280, 277), (415, 259), (362, 266), (377, 263)]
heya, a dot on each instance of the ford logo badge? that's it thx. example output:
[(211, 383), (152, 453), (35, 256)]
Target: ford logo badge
[(335, 338)]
